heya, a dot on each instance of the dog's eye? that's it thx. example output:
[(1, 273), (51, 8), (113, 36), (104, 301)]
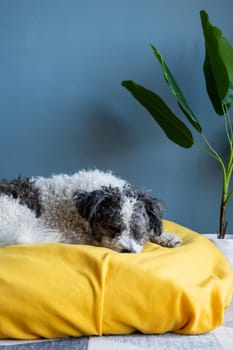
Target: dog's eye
[(114, 230)]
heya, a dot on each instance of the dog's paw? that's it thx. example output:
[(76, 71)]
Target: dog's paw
[(167, 239)]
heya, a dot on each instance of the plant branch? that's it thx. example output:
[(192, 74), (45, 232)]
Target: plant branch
[(228, 123), (214, 154)]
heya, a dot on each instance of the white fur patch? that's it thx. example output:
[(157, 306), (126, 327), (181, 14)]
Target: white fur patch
[(127, 211), (18, 224), (63, 186), (126, 240)]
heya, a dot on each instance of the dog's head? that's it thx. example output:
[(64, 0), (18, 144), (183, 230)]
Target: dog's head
[(120, 219)]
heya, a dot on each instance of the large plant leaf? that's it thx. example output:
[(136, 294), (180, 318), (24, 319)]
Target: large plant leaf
[(218, 65), (182, 103), (212, 88), (173, 127)]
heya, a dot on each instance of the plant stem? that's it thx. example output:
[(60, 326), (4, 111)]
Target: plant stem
[(227, 169), (215, 155), (222, 219), (226, 194)]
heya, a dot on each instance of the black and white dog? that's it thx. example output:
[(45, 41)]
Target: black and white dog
[(89, 207)]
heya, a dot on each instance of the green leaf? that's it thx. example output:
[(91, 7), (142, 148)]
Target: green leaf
[(218, 65), (182, 103), (173, 127), (212, 88)]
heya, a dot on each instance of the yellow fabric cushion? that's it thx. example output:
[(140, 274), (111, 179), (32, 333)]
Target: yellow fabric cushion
[(58, 290)]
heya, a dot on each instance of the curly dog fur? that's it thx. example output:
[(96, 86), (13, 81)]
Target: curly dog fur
[(89, 207)]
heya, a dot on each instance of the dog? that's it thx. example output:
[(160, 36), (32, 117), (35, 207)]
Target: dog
[(90, 207)]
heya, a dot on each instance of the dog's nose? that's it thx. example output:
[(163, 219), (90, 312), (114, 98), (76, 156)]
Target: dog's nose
[(125, 250)]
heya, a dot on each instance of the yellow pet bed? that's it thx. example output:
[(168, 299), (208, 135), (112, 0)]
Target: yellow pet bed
[(59, 290)]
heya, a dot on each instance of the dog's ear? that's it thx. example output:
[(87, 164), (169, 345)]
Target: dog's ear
[(155, 210), (87, 202)]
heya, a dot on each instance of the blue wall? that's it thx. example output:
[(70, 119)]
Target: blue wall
[(62, 107)]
